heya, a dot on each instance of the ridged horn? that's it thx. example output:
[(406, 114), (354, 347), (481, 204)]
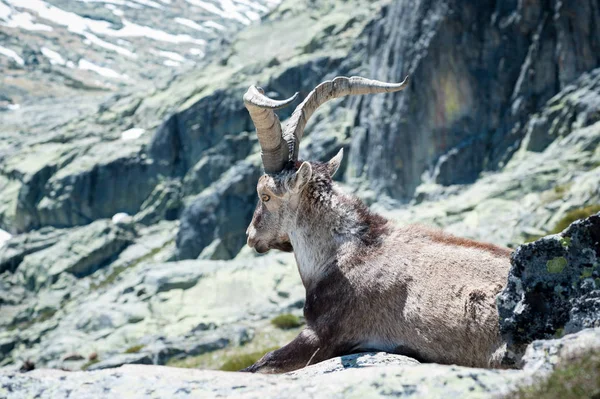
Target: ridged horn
[(274, 149), (338, 87)]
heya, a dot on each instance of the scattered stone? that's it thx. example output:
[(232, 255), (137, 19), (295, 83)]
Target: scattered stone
[(27, 366)]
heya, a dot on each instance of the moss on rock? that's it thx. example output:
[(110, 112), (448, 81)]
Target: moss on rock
[(286, 321), (575, 379)]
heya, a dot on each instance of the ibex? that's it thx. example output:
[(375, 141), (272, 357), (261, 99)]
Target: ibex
[(370, 285)]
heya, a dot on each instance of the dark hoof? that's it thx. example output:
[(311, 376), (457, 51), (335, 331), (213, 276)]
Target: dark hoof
[(250, 369)]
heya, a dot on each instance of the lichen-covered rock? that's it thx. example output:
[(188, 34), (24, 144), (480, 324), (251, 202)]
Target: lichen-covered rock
[(121, 359), (455, 134), (359, 375), (373, 380), (358, 360), (542, 356), (222, 211), (14, 250), (79, 253), (553, 286)]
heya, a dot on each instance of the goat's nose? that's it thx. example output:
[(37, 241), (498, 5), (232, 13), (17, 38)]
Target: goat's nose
[(251, 234)]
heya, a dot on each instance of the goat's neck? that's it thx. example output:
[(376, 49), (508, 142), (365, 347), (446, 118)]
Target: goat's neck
[(318, 234)]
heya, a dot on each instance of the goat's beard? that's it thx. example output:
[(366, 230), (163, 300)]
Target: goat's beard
[(282, 246)]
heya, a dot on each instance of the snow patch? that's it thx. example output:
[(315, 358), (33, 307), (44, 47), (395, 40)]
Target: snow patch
[(214, 25), (253, 15), (171, 63), (115, 10), (229, 10), (12, 54), (133, 30), (121, 218), (132, 134), (170, 55), (107, 72), (23, 20), (190, 24), (5, 11), (197, 52), (256, 6), (54, 57), (4, 236), (13, 107), (149, 3), (109, 46), (85, 26)]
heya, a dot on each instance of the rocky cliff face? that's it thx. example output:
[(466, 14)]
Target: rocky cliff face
[(497, 138), (479, 71)]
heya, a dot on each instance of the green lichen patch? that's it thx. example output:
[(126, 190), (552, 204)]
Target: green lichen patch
[(42, 317), (134, 349), (268, 337), (556, 265), (570, 217), (574, 379), (573, 216), (286, 321), (89, 364), (243, 360), (118, 270), (587, 272)]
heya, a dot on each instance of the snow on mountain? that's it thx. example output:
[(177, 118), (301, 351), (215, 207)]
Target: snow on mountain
[(52, 48)]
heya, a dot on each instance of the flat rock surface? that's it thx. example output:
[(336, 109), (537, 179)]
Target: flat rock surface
[(139, 381)]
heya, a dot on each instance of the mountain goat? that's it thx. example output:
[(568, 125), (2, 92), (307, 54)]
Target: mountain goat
[(370, 285)]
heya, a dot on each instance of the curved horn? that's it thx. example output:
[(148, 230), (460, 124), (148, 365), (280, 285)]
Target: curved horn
[(274, 150), (328, 90)]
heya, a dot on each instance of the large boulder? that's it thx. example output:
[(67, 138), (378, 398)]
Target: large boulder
[(14, 250), (354, 379), (220, 213), (358, 375), (553, 287), (79, 253)]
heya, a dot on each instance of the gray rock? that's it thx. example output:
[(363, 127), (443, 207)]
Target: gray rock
[(542, 356), (414, 381), (79, 253), (119, 360), (15, 249), (553, 286), (164, 203), (359, 375), (359, 360), (222, 212), (6, 346), (87, 189), (585, 312), (163, 350), (441, 125)]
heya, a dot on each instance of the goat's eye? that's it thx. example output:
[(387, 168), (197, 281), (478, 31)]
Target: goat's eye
[(265, 197)]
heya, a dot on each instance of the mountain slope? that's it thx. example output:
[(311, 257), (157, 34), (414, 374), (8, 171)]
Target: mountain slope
[(484, 142)]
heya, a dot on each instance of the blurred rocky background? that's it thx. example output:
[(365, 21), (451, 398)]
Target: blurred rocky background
[(128, 162)]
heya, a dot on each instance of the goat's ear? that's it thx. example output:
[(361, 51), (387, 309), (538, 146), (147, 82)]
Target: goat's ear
[(302, 176), (334, 163)]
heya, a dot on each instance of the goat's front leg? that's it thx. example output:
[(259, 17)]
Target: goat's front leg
[(304, 349)]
